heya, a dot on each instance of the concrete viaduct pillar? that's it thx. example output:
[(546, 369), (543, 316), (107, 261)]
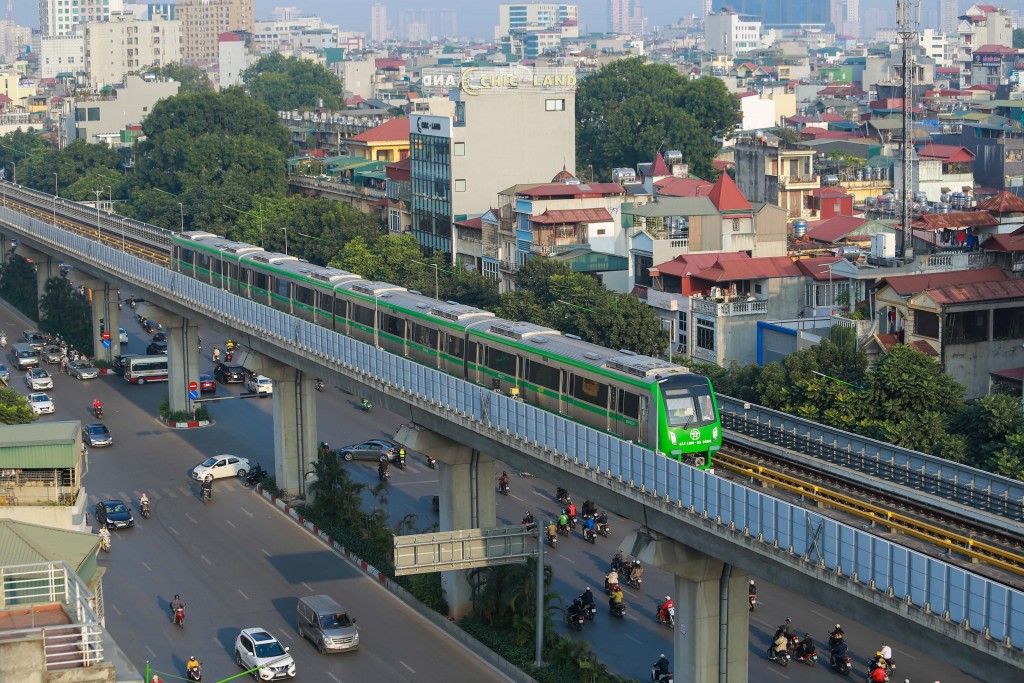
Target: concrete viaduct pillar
[(467, 499), (295, 438), (710, 640), (45, 266), (105, 317), (182, 354)]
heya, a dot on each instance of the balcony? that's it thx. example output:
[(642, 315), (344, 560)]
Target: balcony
[(801, 181), (727, 308), (667, 301), (507, 266)]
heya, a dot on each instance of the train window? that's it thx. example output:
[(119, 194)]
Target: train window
[(589, 390), (502, 361), (392, 325), (304, 295), (230, 270), (425, 336), (471, 348), (454, 345), (325, 302), (339, 308), (543, 375), (259, 280), (281, 287), (186, 255), (202, 261), (629, 404), (362, 315), (707, 409)]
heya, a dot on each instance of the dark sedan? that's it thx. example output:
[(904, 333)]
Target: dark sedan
[(377, 450), (114, 515), (156, 348), (230, 373), (97, 434), (120, 362), (207, 383)]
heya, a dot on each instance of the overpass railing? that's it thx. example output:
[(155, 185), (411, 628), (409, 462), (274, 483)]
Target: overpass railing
[(939, 587)]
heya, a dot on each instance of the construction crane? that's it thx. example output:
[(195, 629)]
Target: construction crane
[(907, 20)]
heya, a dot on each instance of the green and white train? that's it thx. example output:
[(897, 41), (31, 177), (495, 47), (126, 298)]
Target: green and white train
[(647, 400)]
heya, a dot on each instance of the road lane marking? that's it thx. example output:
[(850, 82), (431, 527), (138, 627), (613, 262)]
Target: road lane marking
[(334, 677), (191, 518), (638, 642), (206, 560), (286, 634), (173, 530), (245, 511), (170, 493), (185, 491), (407, 666), (147, 567), (521, 500), (823, 616), (307, 586), (150, 651), (124, 496), (230, 523), (776, 671), (265, 552), (567, 559), (114, 607), (240, 591)]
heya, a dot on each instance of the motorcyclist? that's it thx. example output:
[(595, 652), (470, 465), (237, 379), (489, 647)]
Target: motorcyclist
[(616, 599), (143, 501), (552, 530), (752, 590), (589, 508), (193, 663), (877, 675), (206, 488), (176, 605), (661, 668), (886, 654), (664, 607), (561, 494), (587, 598), (877, 662), (835, 635), (618, 560), (779, 645), (589, 527), (787, 628), (570, 510), (528, 519), (806, 646), (382, 469), (97, 406), (401, 456), (636, 572), (105, 537), (611, 581), (563, 521), (575, 610), (216, 355), (503, 482), (601, 522)]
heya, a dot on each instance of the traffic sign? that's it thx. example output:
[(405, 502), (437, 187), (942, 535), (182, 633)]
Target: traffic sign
[(105, 335), (192, 386), (192, 394), (106, 343)]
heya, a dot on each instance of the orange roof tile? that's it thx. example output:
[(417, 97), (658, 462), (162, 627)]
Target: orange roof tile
[(558, 216), (683, 187), (1013, 243), (976, 292), (835, 228), (727, 197)]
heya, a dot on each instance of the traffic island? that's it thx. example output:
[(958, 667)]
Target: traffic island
[(184, 424), (183, 419)]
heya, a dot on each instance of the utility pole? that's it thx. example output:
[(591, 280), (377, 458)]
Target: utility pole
[(906, 19)]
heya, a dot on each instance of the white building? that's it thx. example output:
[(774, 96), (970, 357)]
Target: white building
[(123, 44), (294, 34), (234, 59), (62, 54), (57, 17), (379, 23), (534, 17), (981, 25), (730, 34), (102, 117), (939, 46)]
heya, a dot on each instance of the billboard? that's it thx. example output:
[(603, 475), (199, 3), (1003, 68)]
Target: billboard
[(493, 80)]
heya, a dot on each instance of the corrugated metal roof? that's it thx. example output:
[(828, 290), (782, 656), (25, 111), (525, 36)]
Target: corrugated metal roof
[(556, 216), (40, 446), (1014, 243), (24, 543), (1004, 202), (674, 206), (956, 219), (976, 292), (905, 285)]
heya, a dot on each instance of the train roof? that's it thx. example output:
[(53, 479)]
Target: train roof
[(298, 269), (217, 242), (551, 341)]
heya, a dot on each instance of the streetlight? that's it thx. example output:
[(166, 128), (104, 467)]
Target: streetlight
[(181, 209), (110, 197), (99, 230), (437, 289), (285, 228)]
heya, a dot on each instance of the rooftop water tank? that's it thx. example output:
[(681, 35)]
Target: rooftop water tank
[(799, 228)]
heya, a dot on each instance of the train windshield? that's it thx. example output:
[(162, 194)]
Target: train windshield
[(689, 406)]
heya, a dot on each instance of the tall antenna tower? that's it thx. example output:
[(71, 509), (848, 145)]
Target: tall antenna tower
[(906, 19)]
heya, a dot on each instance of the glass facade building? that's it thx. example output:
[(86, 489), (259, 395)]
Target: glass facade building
[(430, 173)]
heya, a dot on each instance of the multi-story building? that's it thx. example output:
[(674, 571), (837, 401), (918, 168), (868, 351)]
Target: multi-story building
[(949, 12), (786, 13), (124, 44), (619, 14), (204, 20), (234, 59), (981, 25), (295, 33), (998, 154), (534, 17), (379, 23), (731, 34), (768, 170), (57, 17), (102, 117), (62, 55), (508, 122)]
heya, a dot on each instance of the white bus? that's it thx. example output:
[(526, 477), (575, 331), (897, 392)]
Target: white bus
[(142, 369)]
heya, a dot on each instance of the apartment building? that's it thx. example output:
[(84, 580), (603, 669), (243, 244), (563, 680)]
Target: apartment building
[(203, 21), (124, 44), (58, 17)]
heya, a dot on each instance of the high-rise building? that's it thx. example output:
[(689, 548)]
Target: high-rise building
[(535, 16), (728, 33), (202, 22), (405, 18), (449, 23), (949, 11), (781, 13), (619, 14), (58, 17), (379, 23), (124, 44)]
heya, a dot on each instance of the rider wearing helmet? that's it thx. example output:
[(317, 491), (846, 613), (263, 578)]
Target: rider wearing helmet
[(193, 663)]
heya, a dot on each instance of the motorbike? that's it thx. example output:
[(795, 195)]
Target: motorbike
[(228, 357), (194, 674), (780, 658), (617, 609), (401, 459), (179, 617), (618, 559), (144, 508), (255, 476), (634, 579), (589, 535), (562, 496), (3, 341), (840, 662), (753, 601), (590, 611), (529, 524), (206, 493), (667, 617), (105, 539), (810, 659), (572, 521), (431, 463), (503, 488), (575, 618), (319, 385), (603, 529), (552, 539), (98, 412), (383, 473), (216, 355), (564, 530), (610, 588), (661, 678), (365, 405)]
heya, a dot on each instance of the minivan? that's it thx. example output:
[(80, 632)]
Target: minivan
[(33, 337), (24, 356), (326, 624)]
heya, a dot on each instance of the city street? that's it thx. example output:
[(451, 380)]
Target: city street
[(238, 562)]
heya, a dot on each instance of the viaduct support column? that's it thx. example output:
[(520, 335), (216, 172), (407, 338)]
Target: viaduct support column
[(467, 493), (44, 264), (712, 614), (295, 444), (105, 317), (182, 354)]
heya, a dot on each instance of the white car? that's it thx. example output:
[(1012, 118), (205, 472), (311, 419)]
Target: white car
[(264, 386), (255, 647), (220, 466), (40, 403), (37, 379), (122, 335)]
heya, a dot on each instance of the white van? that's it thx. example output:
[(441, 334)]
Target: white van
[(326, 624)]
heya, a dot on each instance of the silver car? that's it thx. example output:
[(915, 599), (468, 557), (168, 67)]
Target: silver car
[(83, 369), (52, 354), (38, 379)]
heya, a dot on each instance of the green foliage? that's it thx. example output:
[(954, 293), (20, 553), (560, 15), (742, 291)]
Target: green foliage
[(20, 147), (427, 589), (905, 382), (190, 78), (286, 83), (65, 312), (14, 408), (787, 136), (18, 285), (201, 413), (1018, 38), (629, 110)]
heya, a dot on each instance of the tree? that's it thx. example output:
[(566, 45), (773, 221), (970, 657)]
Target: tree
[(190, 78), (67, 313), (286, 83), (905, 383), (14, 408), (987, 424), (1018, 38), (18, 285), (629, 110), (19, 146)]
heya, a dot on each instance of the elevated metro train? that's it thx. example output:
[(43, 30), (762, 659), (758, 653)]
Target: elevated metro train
[(653, 402)]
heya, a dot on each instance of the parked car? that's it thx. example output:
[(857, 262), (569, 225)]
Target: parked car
[(156, 348), (263, 386), (97, 435), (255, 647), (377, 450), (40, 403), (114, 515), (221, 466), (83, 369), (37, 379), (207, 383), (122, 335), (120, 362), (52, 354), (230, 373)]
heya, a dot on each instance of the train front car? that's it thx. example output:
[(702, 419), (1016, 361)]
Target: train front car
[(689, 425)]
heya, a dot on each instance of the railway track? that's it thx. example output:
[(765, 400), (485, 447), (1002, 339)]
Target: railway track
[(933, 525)]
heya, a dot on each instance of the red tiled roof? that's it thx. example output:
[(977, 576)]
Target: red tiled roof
[(689, 264), (476, 223), (572, 189), (751, 269), (727, 197), (951, 70), (659, 167), (985, 87), (389, 63), (380, 203), (924, 347), (1012, 243), (1016, 374), (683, 187), (833, 118), (829, 192), (945, 153), (229, 37), (1004, 202), (556, 216), (905, 285), (395, 130), (995, 49), (817, 268), (835, 228), (971, 292), (5, 98), (955, 219)]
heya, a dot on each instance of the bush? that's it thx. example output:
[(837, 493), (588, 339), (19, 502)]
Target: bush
[(201, 413), (103, 364)]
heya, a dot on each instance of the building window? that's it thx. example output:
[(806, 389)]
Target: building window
[(460, 113), (460, 185), (705, 334), (554, 105), (459, 149), (641, 274), (926, 324), (735, 224)]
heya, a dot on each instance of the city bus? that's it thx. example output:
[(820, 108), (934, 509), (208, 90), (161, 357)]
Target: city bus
[(142, 369)]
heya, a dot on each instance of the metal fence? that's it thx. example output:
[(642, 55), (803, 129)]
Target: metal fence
[(961, 596)]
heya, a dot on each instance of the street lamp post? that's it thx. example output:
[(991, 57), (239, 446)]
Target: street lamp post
[(260, 217), (437, 288), (285, 228), (99, 229)]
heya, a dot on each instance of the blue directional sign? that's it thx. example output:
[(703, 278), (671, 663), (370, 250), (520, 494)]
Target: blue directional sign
[(106, 343), (193, 395)]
